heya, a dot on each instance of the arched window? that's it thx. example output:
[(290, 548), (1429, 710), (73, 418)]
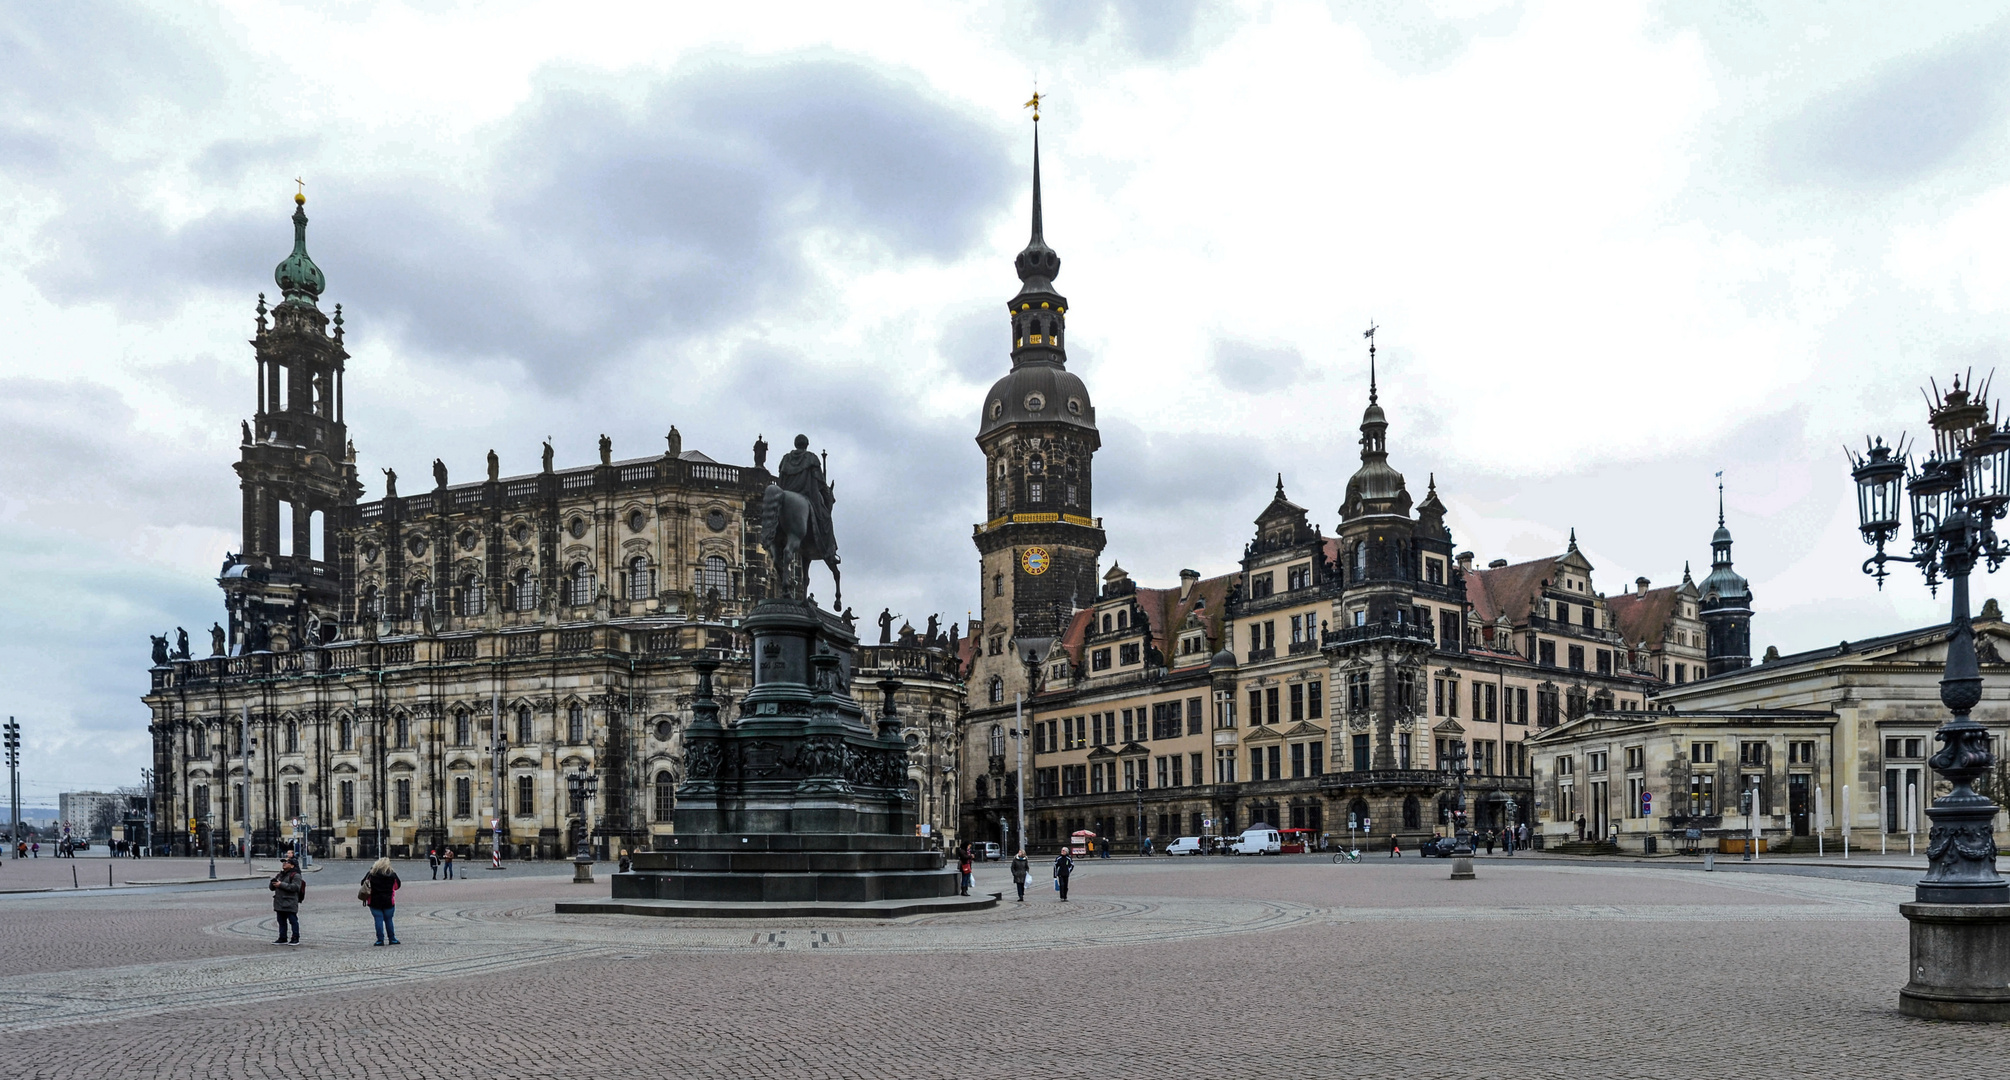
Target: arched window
[(998, 584), (292, 738), (1361, 560), (997, 690), (581, 579), (1123, 620), (575, 723), (474, 597), (1358, 810), (713, 575), (523, 590), (345, 735), (401, 733), (666, 796), (1413, 814), (523, 725), (422, 597), (997, 740), (372, 605), (641, 579), (1106, 624), (462, 727)]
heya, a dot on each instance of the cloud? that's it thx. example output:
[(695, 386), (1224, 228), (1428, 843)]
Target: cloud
[(1249, 366), (607, 224), (1148, 29), (1903, 124)]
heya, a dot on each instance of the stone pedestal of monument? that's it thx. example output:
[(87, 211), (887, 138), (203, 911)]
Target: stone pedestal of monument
[(1960, 966), (800, 807)]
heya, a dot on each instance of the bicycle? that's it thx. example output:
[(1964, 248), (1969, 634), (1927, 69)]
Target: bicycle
[(1349, 855)]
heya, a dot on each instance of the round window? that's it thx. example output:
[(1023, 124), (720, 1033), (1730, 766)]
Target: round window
[(1074, 406), (997, 409), (662, 731), (637, 519), (369, 552), (1035, 403), (577, 527), (467, 539), (416, 545), (715, 520)]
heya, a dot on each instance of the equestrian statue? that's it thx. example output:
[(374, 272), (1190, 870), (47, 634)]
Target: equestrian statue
[(796, 523)]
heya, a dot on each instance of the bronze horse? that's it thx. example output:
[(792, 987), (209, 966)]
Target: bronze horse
[(788, 532)]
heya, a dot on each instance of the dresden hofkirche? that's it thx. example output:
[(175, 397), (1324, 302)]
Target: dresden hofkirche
[(435, 667)]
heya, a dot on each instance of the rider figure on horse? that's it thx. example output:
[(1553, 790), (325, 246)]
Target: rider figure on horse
[(802, 473), (799, 534)]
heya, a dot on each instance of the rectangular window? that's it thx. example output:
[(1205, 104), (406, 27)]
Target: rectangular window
[(1255, 763), (464, 801), (1438, 697), (1635, 758), (1577, 658), (1130, 775), (1178, 770), (1099, 660), (1298, 628), (1164, 771), (1452, 697), (1402, 750), (1297, 702), (1595, 761), (1702, 753), (292, 800), (348, 799), (1604, 661), (1195, 760), (1492, 700), (1036, 491), (1545, 653), (1275, 753), (1261, 585), (1130, 735), (1448, 630), (1358, 697), (1800, 753), (1298, 761), (1130, 654), (1752, 753), (1317, 752), (1521, 705), (1315, 706), (1434, 571), (1224, 767), (1478, 714), (1255, 707), (1270, 703), (1096, 779), (1361, 756), (402, 798), (526, 796), (1681, 673), (1040, 738), (1702, 794)]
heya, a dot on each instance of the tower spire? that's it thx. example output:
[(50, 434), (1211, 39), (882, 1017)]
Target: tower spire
[(1369, 333), (1720, 498)]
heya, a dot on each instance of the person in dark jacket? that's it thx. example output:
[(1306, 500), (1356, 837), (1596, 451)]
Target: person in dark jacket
[(382, 881), (287, 893), (1019, 873), (1064, 865), (433, 860), (447, 862), (963, 873)]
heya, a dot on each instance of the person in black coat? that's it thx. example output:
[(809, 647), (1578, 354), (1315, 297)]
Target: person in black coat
[(1064, 865), (287, 892)]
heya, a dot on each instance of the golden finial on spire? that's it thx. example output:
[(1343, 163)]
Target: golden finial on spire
[(300, 197), (1034, 104)]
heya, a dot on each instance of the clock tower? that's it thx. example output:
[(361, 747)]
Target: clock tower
[(1039, 542)]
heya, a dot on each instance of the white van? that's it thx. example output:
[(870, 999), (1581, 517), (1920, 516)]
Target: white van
[(1185, 845), (1261, 840)]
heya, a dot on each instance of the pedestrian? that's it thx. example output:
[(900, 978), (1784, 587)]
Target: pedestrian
[(287, 893), (1103, 851), (1395, 847), (625, 864), (1490, 841), (963, 872), (35, 849), (1019, 873), (1580, 826), (433, 861), (1064, 865), (447, 860), (379, 889)]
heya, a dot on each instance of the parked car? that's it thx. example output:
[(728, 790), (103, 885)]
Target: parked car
[(988, 852), (1186, 845), (1438, 847), (1261, 840)]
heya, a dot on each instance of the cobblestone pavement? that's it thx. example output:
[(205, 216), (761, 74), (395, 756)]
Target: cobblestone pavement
[(1196, 968)]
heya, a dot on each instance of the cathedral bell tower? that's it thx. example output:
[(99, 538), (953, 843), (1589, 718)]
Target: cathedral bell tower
[(1039, 543), (1726, 606), (295, 469)]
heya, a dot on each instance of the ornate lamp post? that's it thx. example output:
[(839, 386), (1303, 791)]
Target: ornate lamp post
[(1462, 838), (582, 786), (1961, 918)]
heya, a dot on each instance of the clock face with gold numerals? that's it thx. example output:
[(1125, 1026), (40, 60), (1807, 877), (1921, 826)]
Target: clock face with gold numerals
[(1035, 560)]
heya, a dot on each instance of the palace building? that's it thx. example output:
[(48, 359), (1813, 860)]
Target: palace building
[(432, 668), (1321, 686)]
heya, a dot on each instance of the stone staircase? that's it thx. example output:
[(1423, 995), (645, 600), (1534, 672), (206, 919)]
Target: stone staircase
[(1583, 847)]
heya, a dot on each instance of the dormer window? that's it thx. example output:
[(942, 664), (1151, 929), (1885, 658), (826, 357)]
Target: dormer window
[(1106, 623), (1123, 620)]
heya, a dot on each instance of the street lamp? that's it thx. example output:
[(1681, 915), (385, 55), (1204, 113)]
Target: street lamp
[(1462, 838), (1962, 907), (582, 786)]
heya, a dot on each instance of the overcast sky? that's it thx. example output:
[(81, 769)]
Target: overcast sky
[(1613, 249)]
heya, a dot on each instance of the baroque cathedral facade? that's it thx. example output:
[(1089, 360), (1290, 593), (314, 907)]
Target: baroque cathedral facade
[(436, 668), (1326, 684)]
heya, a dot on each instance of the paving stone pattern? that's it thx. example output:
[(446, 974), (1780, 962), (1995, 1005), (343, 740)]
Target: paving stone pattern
[(1194, 968)]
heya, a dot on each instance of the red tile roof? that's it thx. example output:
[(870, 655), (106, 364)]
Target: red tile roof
[(1644, 616), (1509, 590)]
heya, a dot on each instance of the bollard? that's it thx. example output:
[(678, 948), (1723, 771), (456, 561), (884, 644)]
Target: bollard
[(73, 875)]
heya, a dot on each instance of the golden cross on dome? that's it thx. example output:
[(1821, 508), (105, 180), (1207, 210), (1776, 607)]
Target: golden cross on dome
[(1034, 104)]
